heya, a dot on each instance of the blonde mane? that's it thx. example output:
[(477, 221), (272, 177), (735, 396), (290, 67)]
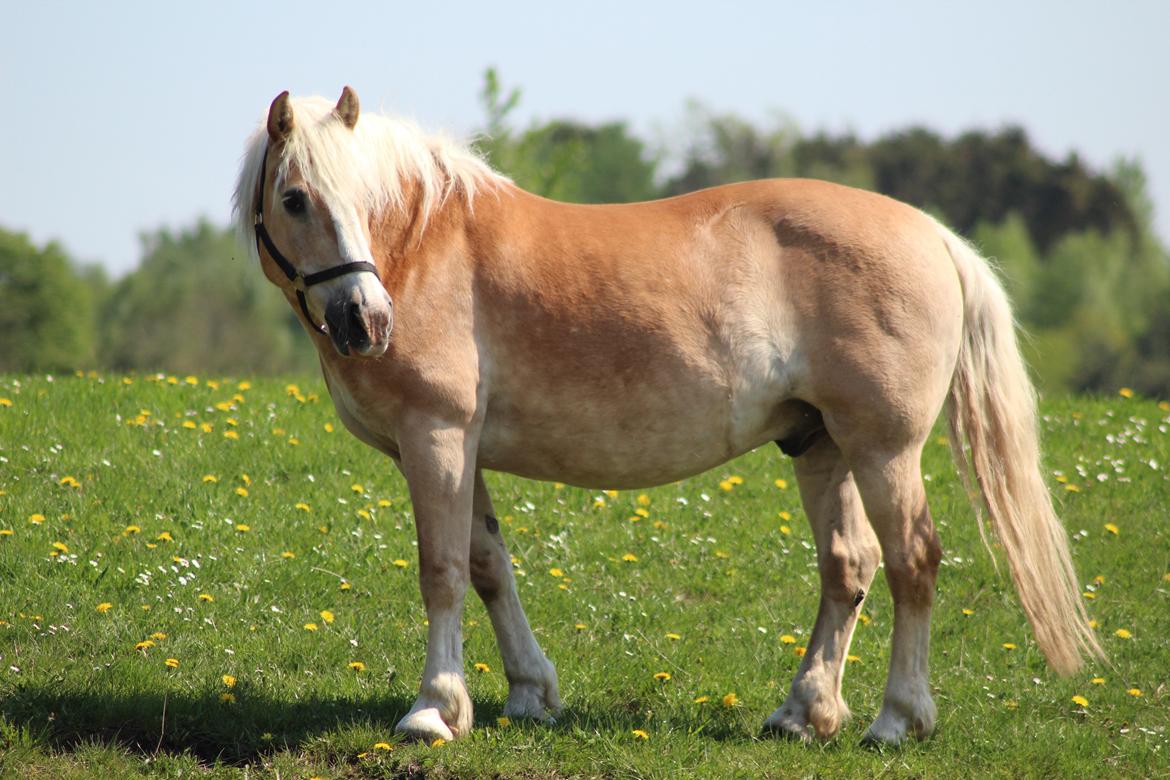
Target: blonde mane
[(368, 167)]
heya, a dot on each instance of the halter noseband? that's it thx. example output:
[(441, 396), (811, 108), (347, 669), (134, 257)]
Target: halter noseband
[(300, 282)]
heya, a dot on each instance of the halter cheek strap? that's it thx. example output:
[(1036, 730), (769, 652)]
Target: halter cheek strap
[(300, 282)]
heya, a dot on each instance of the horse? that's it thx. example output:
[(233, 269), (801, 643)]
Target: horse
[(465, 325)]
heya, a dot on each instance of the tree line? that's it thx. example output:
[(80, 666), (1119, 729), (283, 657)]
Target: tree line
[(1075, 246)]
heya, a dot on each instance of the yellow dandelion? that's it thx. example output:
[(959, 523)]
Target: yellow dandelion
[(60, 547), (206, 597), (1164, 406), (1125, 392), (864, 619), (643, 500), (246, 479), (206, 427), (160, 636), (640, 734), (1113, 529), (229, 681), (1071, 488), (788, 639), (629, 557), (400, 563), (726, 484), (227, 698), (293, 441), (328, 427), (702, 699), (68, 481), (1098, 681), (611, 493), (130, 530), (662, 676), (327, 616), (301, 505), (383, 502), (357, 666), (641, 513), (144, 645), (1080, 701), (1008, 646), (1134, 691), (242, 491), (165, 536), (382, 746), (968, 611), (104, 607), (6, 532), (438, 742), (555, 572), (785, 530), (1123, 633), (673, 636), (310, 626), (172, 663), (852, 658), (730, 700), (503, 721), (482, 668), (210, 478), (245, 385), (243, 528), (231, 435), (5, 402), (785, 515), (288, 554), (358, 487), (36, 518), (800, 650), (580, 626), (343, 585), (190, 424), (781, 483)]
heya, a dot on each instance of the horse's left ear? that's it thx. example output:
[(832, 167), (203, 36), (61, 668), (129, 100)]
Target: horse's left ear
[(347, 107)]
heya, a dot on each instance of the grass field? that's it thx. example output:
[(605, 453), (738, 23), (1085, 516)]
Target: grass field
[(213, 579)]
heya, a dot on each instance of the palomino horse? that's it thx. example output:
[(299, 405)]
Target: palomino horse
[(469, 325)]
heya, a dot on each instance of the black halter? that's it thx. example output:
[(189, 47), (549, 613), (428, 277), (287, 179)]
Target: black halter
[(300, 281)]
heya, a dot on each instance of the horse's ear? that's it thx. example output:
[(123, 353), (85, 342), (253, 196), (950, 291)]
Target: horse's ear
[(280, 118), (347, 107)]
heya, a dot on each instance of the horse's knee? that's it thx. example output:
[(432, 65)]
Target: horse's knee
[(847, 567), (442, 583), (485, 576)]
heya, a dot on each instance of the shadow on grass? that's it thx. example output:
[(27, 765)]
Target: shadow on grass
[(244, 731)]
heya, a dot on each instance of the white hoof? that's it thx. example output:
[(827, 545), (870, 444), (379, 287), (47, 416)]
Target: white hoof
[(537, 699), (785, 722), (425, 725), (896, 722)]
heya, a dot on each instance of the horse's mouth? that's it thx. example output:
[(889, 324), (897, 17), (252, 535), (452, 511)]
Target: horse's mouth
[(358, 329)]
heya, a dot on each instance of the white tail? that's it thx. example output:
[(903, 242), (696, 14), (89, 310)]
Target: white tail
[(992, 409)]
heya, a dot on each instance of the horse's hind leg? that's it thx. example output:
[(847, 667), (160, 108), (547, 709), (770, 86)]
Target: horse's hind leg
[(847, 554), (895, 502), (532, 680)]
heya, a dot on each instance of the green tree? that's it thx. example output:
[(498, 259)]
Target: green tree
[(46, 308), (564, 159), (198, 304)]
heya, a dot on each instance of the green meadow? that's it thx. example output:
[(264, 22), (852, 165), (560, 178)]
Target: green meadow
[(206, 577)]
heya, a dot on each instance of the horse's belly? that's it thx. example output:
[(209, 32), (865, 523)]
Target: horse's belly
[(640, 438)]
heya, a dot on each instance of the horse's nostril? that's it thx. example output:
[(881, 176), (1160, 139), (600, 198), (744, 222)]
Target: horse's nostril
[(356, 324)]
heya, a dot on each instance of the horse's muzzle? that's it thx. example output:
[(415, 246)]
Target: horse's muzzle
[(359, 327)]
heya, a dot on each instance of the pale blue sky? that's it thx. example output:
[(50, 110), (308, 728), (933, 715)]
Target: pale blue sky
[(123, 117)]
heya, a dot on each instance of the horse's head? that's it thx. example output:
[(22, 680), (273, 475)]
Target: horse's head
[(314, 232)]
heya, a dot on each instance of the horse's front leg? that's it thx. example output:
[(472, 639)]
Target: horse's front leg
[(439, 465), (532, 679)]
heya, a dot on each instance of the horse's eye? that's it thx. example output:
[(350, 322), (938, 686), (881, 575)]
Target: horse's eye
[(294, 202)]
